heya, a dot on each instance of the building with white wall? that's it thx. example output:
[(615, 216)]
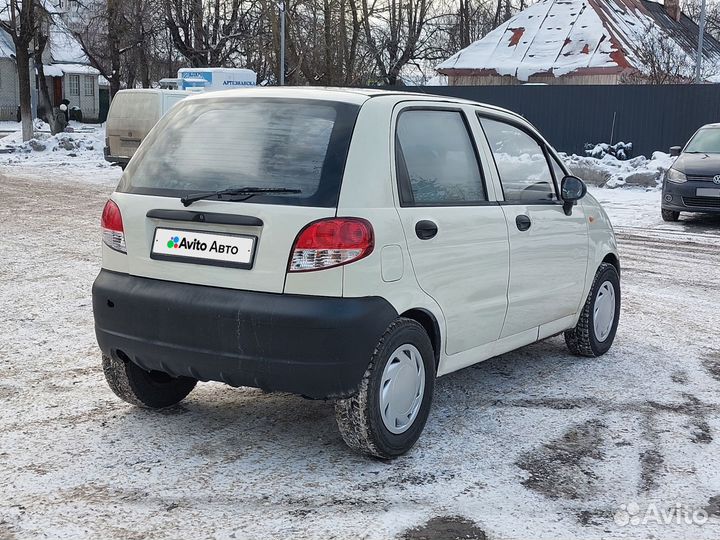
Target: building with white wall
[(67, 70)]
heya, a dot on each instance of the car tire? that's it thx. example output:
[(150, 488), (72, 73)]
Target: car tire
[(406, 379), (595, 331), (669, 215), (148, 389)]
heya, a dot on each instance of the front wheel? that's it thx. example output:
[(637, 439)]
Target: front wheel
[(595, 331), (669, 215), (387, 415)]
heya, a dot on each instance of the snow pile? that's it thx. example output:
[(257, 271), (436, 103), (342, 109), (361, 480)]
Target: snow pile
[(77, 154), (84, 141), (611, 172), (72, 143), (620, 150)]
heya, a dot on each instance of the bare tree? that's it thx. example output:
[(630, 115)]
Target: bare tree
[(125, 40), (457, 26), (712, 15), (662, 61), (45, 105), (325, 43), (394, 34), (19, 22), (208, 34)]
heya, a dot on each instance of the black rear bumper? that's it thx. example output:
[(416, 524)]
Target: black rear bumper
[(122, 161), (319, 347)]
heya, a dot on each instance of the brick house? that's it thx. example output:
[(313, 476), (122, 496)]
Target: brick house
[(67, 70), (578, 42)]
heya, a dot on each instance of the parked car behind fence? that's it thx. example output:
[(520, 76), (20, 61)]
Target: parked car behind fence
[(692, 184)]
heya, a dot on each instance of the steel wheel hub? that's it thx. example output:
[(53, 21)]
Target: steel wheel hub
[(402, 388), (604, 311)]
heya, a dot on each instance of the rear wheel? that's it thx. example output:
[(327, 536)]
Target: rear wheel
[(387, 415), (595, 331), (150, 389), (669, 215)]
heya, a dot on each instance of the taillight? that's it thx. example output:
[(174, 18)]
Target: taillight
[(331, 242), (111, 223)]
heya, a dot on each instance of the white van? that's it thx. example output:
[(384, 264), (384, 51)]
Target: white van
[(212, 79), (132, 115)]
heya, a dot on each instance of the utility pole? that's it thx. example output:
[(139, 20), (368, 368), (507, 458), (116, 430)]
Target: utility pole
[(281, 5), (701, 35)]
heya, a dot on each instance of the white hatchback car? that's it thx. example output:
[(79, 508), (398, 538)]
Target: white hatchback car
[(348, 245)]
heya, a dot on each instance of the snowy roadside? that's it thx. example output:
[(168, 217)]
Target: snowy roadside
[(72, 156)]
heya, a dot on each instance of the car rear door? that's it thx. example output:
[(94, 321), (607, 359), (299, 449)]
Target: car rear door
[(548, 249), (132, 115), (456, 233)]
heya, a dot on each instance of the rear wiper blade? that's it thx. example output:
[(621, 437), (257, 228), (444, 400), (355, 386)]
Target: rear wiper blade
[(231, 193)]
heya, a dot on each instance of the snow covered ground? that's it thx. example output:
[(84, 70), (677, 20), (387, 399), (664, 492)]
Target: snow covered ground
[(76, 156), (532, 444)]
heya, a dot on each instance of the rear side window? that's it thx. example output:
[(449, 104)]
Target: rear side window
[(215, 144), (436, 160), (524, 171)]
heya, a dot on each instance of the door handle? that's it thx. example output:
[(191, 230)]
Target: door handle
[(523, 222), (425, 229)]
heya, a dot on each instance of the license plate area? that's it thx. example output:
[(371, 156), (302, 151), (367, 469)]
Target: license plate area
[(129, 143), (199, 247), (708, 192)]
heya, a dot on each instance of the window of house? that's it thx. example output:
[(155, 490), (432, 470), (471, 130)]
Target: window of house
[(89, 86), (74, 85), (436, 160), (523, 168)]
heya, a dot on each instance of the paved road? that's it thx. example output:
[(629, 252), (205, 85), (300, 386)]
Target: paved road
[(535, 443)]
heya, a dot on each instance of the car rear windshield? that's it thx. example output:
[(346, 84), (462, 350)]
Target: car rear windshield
[(705, 141), (222, 143)]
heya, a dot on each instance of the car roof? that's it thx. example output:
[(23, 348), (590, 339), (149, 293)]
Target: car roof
[(152, 91), (356, 96)]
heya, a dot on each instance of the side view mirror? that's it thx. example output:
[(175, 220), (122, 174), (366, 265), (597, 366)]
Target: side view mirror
[(675, 151), (572, 189)]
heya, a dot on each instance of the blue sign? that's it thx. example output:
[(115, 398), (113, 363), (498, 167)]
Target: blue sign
[(195, 79)]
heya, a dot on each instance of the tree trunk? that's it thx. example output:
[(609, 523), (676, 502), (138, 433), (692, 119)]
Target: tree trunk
[(45, 100), (199, 43), (113, 14), (328, 78), (44, 97), (23, 70)]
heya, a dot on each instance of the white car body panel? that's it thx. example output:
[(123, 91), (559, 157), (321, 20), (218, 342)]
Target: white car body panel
[(281, 225), (548, 265)]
